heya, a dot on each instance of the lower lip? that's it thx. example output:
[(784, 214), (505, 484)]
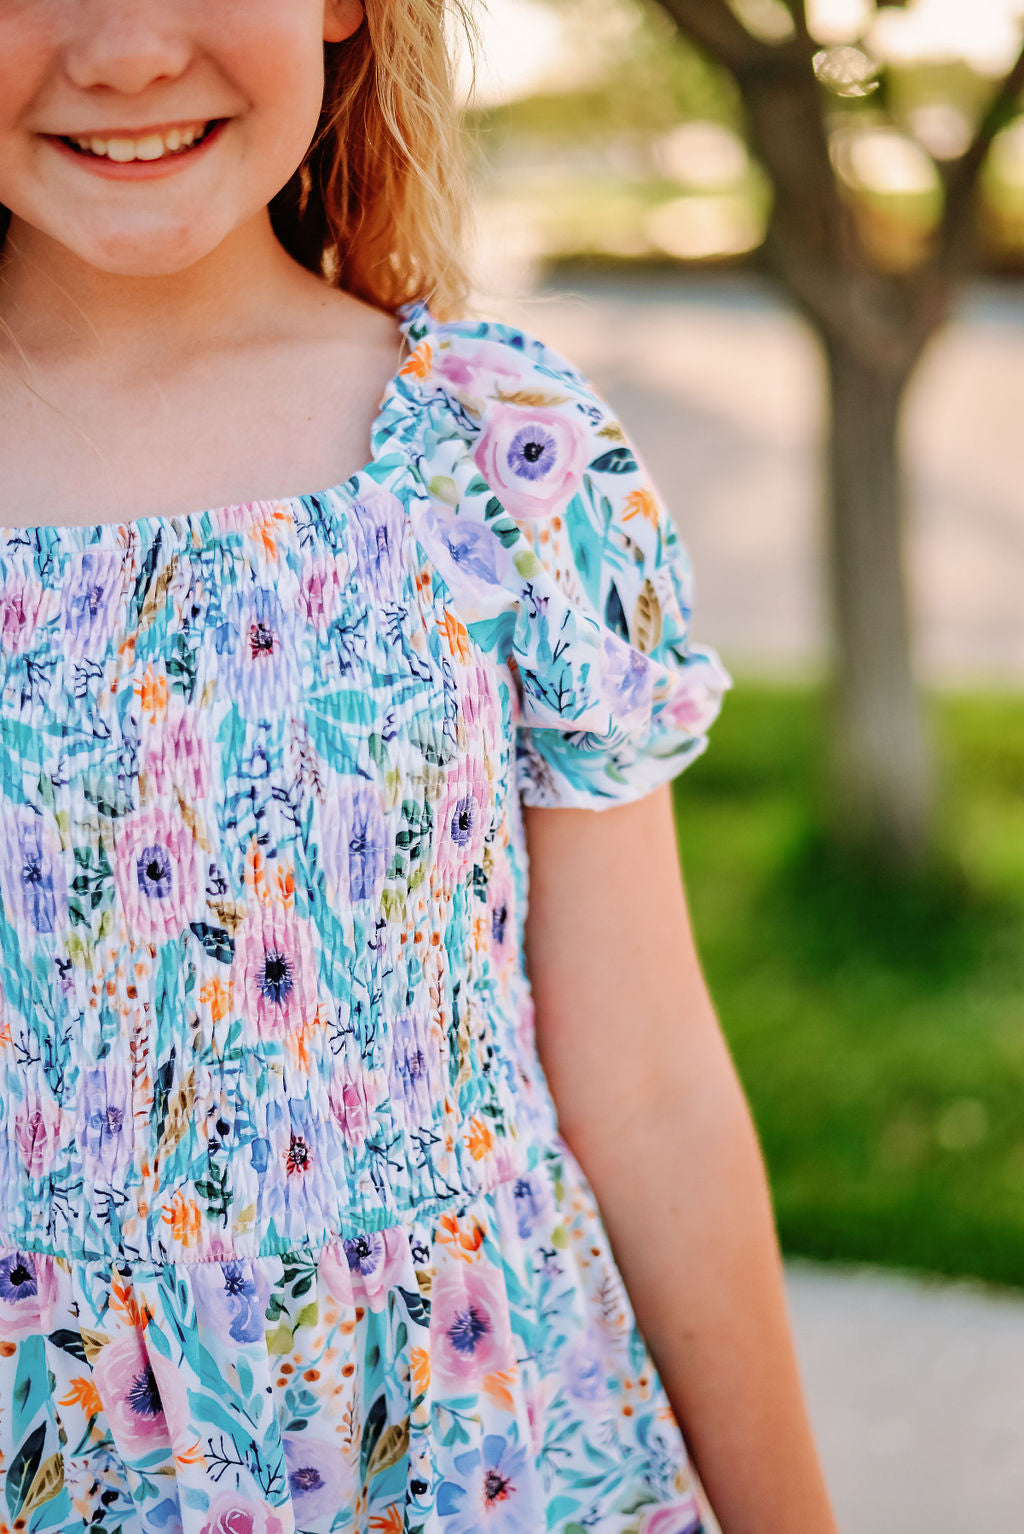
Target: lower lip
[(139, 170)]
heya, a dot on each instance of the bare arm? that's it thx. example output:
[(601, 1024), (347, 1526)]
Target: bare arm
[(650, 1103)]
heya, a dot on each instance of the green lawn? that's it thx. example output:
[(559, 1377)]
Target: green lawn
[(878, 1027)]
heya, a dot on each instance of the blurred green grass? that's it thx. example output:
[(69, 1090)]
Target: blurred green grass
[(878, 1026)]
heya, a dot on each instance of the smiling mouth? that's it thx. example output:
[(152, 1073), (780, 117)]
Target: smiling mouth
[(125, 149)]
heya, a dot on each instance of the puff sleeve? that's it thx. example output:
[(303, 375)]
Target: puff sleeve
[(566, 564)]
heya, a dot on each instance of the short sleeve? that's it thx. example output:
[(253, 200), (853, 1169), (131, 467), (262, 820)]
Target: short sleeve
[(569, 567)]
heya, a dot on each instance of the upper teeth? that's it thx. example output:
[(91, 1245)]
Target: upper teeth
[(152, 147)]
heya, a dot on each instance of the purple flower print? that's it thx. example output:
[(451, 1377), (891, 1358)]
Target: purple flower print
[(533, 459), (377, 1261), (470, 1334), (500, 913), (127, 1387), (28, 1293), (583, 1366), (274, 970), (256, 646), (231, 1298), (321, 1477), (473, 561), (378, 520), (232, 1513), (355, 843), (534, 1205), (678, 1518), (37, 1125), (105, 1128), (32, 871), (158, 872), (414, 1072), (90, 600), (488, 1491), (626, 681)]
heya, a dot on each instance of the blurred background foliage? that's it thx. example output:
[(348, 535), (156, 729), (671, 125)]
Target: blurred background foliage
[(874, 1004)]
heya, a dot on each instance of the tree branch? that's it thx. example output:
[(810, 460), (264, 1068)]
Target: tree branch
[(718, 30), (956, 235)]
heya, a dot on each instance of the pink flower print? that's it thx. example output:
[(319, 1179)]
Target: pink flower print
[(626, 681), (32, 877), (481, 705), (158, 872), (470, 1334), (231, 1514), (127, 1387), (337, 1275), (274, 971), (24, 605), (377, 520), (350, 1108), (532, 459), (476, 374), (175, 754), (697, 696), (37, 1126), (463, 817), (90, 600), (319, 594), (678, 1518), (28, 1294), (377, 1261)]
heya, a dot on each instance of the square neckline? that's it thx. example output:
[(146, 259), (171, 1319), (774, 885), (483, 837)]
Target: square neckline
[(233, 516)]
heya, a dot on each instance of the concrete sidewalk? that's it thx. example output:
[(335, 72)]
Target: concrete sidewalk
[(916, 1390)]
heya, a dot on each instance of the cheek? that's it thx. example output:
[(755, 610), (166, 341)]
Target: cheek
[(28, 54), (272, 50)]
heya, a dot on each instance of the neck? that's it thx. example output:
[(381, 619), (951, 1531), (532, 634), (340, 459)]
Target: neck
[(55, 305)]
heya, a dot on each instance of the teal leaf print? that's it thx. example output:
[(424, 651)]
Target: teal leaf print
[(615, 613), (21, 1472), (618, 461), (216, 943)]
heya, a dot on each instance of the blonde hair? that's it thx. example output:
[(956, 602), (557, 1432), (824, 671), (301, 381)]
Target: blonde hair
[(380, 205)]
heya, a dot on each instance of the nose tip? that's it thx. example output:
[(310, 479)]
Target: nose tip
[(126, 49)]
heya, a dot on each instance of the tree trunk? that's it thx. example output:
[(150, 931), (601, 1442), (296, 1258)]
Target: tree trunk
[(882, 803)]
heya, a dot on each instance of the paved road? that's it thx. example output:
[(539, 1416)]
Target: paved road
[(721, 387), (917, 1396)]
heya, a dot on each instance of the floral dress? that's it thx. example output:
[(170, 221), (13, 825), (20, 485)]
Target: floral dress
[(288, 1236)]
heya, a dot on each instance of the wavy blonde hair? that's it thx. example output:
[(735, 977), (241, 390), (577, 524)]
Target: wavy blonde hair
[(380, 206)]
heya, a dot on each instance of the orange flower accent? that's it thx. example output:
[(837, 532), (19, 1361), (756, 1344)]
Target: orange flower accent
[(192, 1456), (480, 1140), (420, 364), (83, 1393), (420, 1359), (217, 996), (123, 1300), (496, 1386), (463, 1242), (152, 692), (391, 1522), (641, 503), (184, 1218), (457, 635)]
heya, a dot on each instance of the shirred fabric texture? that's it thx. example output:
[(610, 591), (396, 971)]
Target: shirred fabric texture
[(289, 1239)]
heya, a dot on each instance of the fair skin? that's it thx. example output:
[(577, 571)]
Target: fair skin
[(159, 354)]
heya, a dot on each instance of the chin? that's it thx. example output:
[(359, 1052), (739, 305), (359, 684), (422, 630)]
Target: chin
[(155, 253)]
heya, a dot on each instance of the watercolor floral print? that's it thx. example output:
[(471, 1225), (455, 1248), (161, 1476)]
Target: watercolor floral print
[(288, 1237)]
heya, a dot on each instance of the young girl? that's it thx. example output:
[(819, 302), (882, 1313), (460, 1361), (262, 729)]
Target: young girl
[(289, 1239)]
